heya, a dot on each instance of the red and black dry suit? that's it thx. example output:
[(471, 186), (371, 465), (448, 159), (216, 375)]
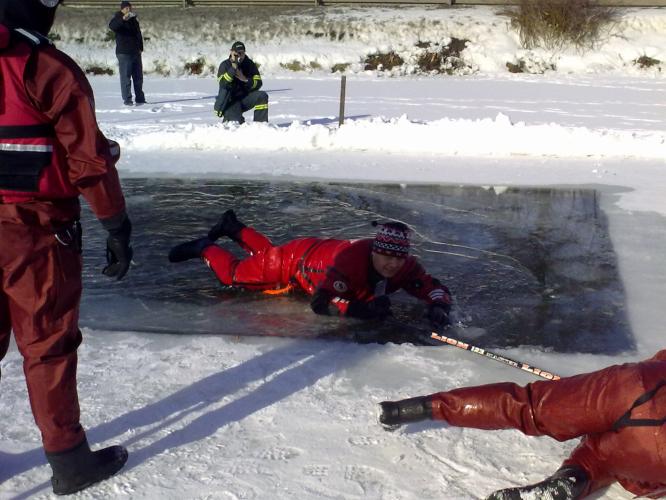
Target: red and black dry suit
[(337, 272), (619, 411), (51, 150)]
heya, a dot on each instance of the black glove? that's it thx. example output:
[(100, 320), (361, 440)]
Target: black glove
[(438, 315), (377, 308), (118, 250)]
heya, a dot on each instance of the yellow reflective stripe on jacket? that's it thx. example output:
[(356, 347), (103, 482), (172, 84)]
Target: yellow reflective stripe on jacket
[(255, 80), (226, 76), (261, 106)]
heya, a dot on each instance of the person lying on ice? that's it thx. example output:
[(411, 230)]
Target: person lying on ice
[(620, 413), (347, 277)]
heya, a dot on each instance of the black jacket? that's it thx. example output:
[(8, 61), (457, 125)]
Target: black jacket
[(231, 88), (128, 34)]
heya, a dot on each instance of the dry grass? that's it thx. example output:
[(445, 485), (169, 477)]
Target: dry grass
[(554, 24), (293, 65)]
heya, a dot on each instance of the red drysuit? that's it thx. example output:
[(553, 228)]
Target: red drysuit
[(51, 150), (340, 267), (587, 405)]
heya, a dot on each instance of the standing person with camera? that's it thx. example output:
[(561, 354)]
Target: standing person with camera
[(129, 45), (52, 151), (239, 92)]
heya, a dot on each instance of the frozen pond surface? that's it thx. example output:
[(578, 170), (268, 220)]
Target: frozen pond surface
[(526, 266)]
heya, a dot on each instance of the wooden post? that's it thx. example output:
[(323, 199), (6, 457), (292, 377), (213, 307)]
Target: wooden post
[(343, 86)]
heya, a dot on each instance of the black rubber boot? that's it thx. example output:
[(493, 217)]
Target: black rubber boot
[(189, 250), (568, 483), (78, 468), (394, 413), (228, 225)]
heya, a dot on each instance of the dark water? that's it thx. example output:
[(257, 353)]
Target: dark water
[(526, 266)]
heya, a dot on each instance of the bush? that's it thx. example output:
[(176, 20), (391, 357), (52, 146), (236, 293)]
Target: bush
[(646, 62), (161, 68), (340, 67), (446, 60), (195, 67), (530, 66), (383, 61), (98, 70), (554, 24)]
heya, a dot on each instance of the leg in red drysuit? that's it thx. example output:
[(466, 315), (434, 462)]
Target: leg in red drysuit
[(261, 270), (41, 289), (585, 405), (5, 325)]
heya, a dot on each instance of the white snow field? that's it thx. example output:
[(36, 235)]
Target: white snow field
[(267, 418)]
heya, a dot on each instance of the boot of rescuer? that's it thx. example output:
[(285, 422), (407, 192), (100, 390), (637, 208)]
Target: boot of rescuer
[(568, 483), (78, 468), (396, 413), (228, 225)]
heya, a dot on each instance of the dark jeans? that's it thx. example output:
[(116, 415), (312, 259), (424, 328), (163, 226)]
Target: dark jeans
[(131, 69), (257, 100)]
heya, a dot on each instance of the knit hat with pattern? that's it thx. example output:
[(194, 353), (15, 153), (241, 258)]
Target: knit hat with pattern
[(392, 239)]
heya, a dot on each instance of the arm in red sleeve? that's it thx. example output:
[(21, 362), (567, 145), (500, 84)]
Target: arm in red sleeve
[(420, 284), (60, 90)]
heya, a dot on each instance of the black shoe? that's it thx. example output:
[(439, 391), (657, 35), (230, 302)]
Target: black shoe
[(395, 413), (228, 225), (128, 103), (140, 103), (78, 468), (189, 250), (568, 483)]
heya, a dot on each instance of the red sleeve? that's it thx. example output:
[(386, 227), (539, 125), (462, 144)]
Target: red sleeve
[(60, 90), (346, 278), (417, 282)]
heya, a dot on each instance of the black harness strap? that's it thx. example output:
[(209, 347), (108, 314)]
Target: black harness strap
[(26, 131), (626, 420), (301, 264)]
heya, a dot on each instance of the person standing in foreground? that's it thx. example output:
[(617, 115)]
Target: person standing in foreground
[(347, 277), (239, 92), (620, 413), (129, 45), (51, 151)]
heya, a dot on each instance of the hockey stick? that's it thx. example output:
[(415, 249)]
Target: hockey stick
[(481, 352), (497, 357)]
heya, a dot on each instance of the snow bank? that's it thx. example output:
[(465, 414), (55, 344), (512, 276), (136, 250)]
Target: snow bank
[(321, 39), (450, 137)]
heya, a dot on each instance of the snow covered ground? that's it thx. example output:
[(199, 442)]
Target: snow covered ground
[(257, 418)]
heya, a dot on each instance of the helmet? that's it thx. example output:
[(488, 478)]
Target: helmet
[(37, 15)]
